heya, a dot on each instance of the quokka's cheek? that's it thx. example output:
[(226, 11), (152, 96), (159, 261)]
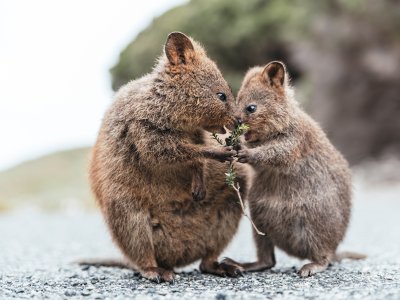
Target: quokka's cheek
[(230, 122), (251, 137)]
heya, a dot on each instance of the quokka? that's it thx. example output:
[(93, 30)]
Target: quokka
[(301, 191), (157, 178)]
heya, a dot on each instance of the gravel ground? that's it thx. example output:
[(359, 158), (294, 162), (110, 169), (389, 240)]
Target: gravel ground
[(37, 251)]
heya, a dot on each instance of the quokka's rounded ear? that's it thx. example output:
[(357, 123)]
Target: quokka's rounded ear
[(179, 48), (274, 74)]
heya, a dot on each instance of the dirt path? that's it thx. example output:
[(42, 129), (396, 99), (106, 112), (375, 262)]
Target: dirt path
[(36, 250)]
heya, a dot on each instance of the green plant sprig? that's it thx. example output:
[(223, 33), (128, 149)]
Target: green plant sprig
[(230, 179), (218, 139), (233, 140)]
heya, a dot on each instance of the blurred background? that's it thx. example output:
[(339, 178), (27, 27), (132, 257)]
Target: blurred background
[(61, 62)]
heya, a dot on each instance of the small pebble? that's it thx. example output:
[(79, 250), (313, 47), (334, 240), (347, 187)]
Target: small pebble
[(70, 293)]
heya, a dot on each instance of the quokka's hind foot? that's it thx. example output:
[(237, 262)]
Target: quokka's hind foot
[(312, 268), (158, 275), (232, 270), (222, 269), (257, 266)]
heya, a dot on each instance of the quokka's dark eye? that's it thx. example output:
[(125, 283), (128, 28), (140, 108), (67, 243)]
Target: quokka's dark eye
[(251, 108), (221, 96)]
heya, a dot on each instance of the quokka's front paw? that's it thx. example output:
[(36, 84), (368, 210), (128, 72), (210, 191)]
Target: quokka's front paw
[(198, 192), (226, 154), (158, 275), (244, 156)]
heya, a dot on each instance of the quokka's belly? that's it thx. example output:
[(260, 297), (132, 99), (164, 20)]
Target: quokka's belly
[(188, 232), (299, 228)]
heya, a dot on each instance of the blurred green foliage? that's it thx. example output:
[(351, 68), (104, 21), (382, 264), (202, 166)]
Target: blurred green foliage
[(341, 55), (237, 34), (56, 181), (241, 34)]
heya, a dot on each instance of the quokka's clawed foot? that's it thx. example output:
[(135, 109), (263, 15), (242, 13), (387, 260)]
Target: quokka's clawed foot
[(231, 262), (311, 269), (169, 276), (221, 269), (250, 267), (232, 270), (159, 275)]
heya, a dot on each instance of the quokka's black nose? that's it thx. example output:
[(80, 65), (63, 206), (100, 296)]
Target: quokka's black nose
[(238, 121)]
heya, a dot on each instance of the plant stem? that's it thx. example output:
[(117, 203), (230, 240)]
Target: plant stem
[(237, 189), (233, 140)]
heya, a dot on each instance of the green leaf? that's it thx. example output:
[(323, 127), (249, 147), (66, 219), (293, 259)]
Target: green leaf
[(233, 140), (218, 139)]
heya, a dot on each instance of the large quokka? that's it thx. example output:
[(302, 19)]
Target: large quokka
[(301, 192), (151, 164)]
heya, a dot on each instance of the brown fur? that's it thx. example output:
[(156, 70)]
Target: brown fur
[(301, 192), (151, 158)]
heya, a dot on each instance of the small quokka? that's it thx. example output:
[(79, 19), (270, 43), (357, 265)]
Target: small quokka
[(159, 182), (301, 191)]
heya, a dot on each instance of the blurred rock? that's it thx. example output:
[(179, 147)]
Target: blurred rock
[(343, 55), (352, 59)]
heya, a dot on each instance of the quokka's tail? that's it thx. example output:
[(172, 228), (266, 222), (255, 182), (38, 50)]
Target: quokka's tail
[(115, 263), (349, 255)]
